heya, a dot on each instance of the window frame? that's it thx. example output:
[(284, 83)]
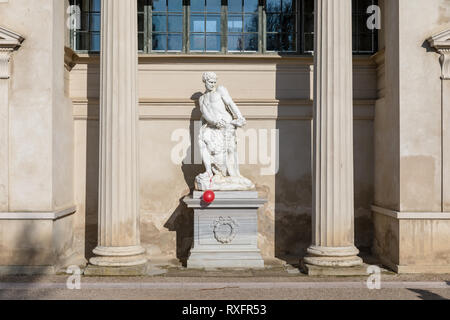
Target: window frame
[(301, 34)]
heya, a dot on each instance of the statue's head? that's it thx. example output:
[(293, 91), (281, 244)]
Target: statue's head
[(210, 80)]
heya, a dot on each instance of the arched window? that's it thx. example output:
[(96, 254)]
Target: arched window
[(222, 26)]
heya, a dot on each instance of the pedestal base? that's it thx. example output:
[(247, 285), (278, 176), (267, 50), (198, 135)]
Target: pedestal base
[(230, 259), (226, 231)]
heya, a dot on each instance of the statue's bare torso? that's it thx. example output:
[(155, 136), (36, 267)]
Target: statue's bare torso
[(214, 108)]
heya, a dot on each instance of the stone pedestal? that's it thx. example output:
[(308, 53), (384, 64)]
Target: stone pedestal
[(226, 231)]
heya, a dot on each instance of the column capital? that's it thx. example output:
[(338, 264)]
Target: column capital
[(5, 56)]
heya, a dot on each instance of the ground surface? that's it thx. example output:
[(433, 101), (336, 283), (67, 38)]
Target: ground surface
[(269, 284)]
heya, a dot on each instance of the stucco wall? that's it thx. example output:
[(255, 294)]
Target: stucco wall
[(411, 139), (274, 94), (40, 114)]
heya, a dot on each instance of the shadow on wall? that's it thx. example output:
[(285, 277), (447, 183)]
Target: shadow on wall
[(182, 219), (92, 166), (293, 197)]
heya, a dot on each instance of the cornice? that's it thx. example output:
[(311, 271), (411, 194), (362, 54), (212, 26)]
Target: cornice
[(9, 41), (441, 43)]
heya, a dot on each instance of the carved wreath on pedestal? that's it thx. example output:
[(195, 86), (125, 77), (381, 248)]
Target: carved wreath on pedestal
[(225, 230)]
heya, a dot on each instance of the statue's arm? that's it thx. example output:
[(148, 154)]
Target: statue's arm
[(229, 102)]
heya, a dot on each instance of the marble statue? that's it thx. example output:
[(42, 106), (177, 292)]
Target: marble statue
[(217, 140)]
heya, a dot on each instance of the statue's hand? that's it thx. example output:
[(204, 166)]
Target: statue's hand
[(239, 122), (220, 124)]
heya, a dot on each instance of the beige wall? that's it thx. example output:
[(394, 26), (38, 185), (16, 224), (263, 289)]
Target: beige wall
[(38, 178), (411, 139), (40, 115), (273, 93)]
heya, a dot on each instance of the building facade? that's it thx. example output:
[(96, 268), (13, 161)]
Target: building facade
[(99, 117)]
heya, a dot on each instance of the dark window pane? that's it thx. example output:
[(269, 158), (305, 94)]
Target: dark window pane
[(288, 23), (235, 23), (84, 23), (175, 5), (308, 6), (251, 42), (175, 42), (197, 42), (82, 41), (251, 23), (234, 5), (213, 5), (141, 5), (159, 42), (362, 24), (288, 6), (159, 5), (273, 5), (365, 42), (141, 42), (308, 42), (308, 23), (141, 22), (272, 42), (364, 4), (175, 23), (287, 42), (159, 22), (197, 23), (235, 42), (273, 23), (213, 23), (212, 42), (251, 5)]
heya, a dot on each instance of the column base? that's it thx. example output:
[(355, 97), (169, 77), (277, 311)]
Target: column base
[(333, 256), (119, 256), (313, 270)]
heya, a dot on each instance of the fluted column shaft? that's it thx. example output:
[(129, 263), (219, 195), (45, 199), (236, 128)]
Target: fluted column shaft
[(333, 199), (118, 233)]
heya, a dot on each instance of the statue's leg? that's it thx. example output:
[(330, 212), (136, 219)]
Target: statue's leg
[(236, 162), (206, 157)]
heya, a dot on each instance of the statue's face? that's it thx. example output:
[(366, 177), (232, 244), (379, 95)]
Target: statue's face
[(210, 84)]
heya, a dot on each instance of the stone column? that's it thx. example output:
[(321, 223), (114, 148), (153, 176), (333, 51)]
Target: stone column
[(118, 233), (333, 204)]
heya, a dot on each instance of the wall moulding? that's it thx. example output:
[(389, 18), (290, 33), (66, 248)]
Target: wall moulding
[(441, 42), (52, 215), (161, 109), (411, 215), (358, 60)]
